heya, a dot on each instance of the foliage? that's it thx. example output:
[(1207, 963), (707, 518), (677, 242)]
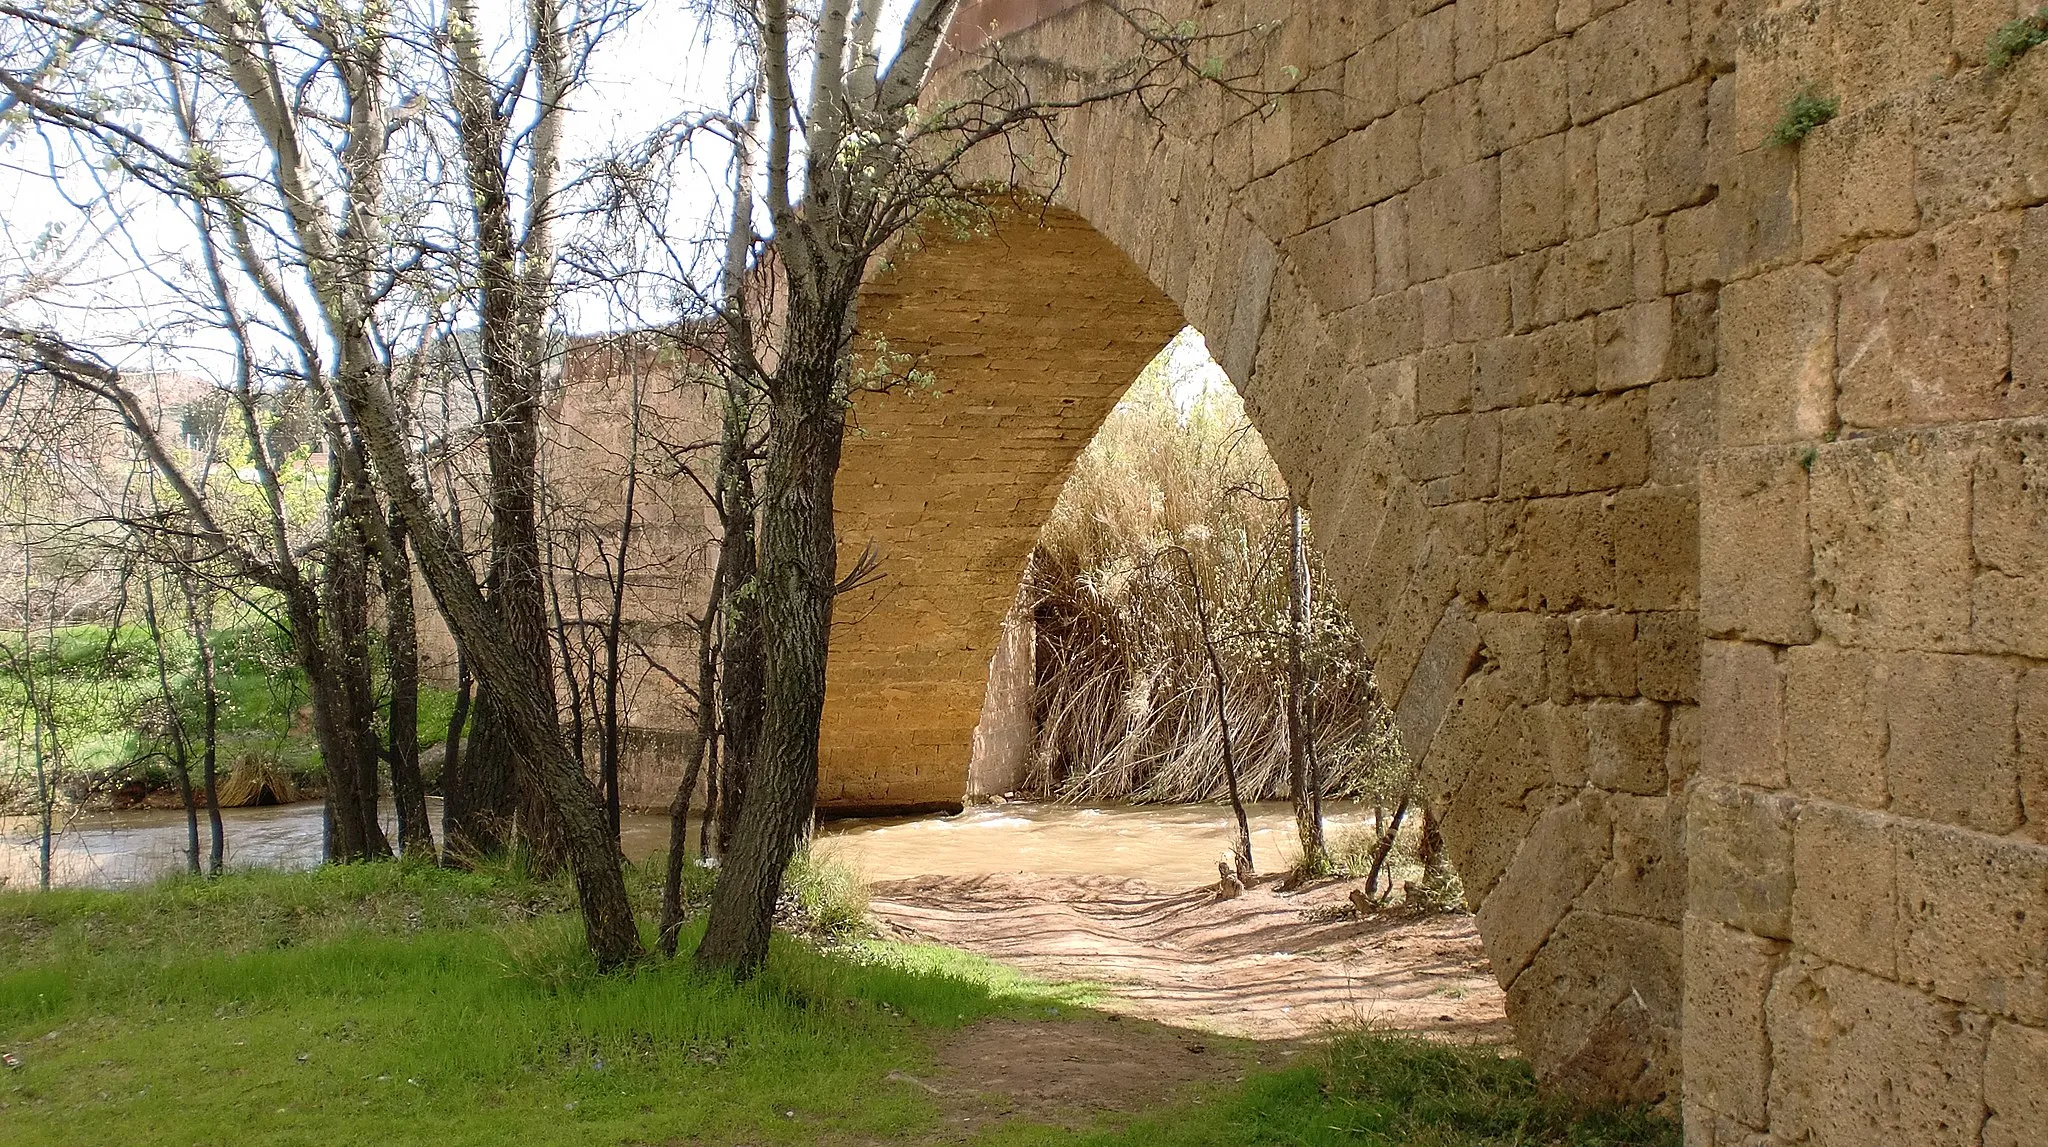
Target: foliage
[(1806, 110), (2017, 37), (112, 725), (825, 897), (1125, 701), (407, 1003)]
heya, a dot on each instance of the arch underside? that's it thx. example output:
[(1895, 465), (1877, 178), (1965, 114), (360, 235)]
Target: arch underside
[(1030, 335)]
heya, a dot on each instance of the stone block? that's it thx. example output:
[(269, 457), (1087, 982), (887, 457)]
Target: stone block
[(2014, 1066), (1603, 656), (1501, 794), (1777, 357), (1619, 152), (1536, 450), (1682, 745), (1335, 261), (1738, 851), (1893, 562), (1451, 124), (1582, 182), (1656, 548), (1742, 707), (1390, 245), (1884, 48), (1629, 54), (1859, 1061), (1443, 381), (1426, 54), (1727, 1046), (2033, 751), (1521, 25), (1834, 724), (1523, 98), (1681, 417), (1979, 143), (1973, 919), (2028, 318), (1646, 238), (1758, 212), (1599, 272), (1755, 562), (1567, 559), (1692, 248), (1668, 655), (1600, 1003), (1372, 81), (1480, 303), (1952, 757), (1780, 51), (1533, 195), (1646, 875), (1477, 41), (1844, 887), (1924, 319), (1557, 861), (1609, 442), (1677, 164), (2009, 537), (1559, 731), (1447, 658), (1455, 221), (1634, 344), (1480, 477), (1695, 334), (1515, 643), (1856, 180), (1625, 746)]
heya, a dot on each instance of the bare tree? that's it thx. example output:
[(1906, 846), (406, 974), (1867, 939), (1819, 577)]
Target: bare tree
[(1305, 783), (851, 159)]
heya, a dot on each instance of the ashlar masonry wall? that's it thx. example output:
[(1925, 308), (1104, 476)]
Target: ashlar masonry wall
[(1686, 488)]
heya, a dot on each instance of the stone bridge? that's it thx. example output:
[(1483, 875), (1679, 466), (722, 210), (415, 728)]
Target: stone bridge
[(1691, 492)]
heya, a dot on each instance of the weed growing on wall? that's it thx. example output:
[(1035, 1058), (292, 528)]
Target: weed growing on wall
[(1805, 111), (2016, 38)]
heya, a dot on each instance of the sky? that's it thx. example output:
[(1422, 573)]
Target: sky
[(120, 269)]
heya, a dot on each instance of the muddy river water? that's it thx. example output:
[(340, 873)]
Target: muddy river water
[(1168, 846)]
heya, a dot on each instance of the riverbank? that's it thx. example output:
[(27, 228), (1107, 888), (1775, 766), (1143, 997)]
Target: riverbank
[(402, 1003)]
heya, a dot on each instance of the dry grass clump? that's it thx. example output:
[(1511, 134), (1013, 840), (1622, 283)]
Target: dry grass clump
[(1177, 485)]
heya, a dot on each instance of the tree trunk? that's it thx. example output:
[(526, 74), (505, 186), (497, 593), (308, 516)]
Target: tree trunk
[(402, 657), (799, 564), (202, 639), (741, 650), (350, 697), (174, 722), (1301, 779), (1245, 867)]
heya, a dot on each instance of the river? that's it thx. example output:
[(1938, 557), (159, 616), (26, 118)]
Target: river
[(1166, 845)]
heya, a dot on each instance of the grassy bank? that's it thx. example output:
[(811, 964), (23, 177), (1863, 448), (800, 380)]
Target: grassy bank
[(410, 1005)]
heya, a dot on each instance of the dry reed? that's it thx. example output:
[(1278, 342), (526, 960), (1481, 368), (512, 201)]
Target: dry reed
[(1125, 706)]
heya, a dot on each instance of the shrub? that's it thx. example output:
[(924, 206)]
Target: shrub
[(2014, 39), (1806, 110)]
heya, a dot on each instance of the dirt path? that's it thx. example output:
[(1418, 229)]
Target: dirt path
[(1268, 965)]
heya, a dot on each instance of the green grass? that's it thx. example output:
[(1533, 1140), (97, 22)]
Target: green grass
[(406, 1004)]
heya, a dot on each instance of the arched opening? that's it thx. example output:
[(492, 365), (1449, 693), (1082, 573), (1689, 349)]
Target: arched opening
[(1499, 528)]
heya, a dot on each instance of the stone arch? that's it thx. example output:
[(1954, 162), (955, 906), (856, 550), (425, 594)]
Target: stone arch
[(1684, 485), (1497, 625)]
